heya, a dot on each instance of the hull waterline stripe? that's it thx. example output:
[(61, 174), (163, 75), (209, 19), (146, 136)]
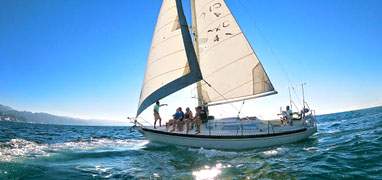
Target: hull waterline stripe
[(225, 136)]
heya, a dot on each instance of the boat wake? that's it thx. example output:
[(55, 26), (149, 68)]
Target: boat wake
[(21, 149)]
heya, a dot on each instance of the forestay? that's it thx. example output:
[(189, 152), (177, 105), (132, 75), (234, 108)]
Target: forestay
[(227, 61), (172, 63)]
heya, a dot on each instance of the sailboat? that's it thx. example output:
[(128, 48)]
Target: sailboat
[(215, 56)]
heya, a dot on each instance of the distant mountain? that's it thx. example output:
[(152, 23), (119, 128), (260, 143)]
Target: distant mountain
[(10, 114), (5, 108)]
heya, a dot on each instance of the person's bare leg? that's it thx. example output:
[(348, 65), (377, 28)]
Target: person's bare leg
[(173, 125), (160, 122), (181, 127), (168, 124), (187, 126), (197, 127), (155, 122)]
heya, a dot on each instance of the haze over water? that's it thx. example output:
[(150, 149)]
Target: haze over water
[(347, 145)]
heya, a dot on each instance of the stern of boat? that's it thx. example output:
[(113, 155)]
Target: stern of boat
[(310, 121)]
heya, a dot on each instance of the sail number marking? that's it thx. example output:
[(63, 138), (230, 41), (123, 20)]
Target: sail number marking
[(219, 30)]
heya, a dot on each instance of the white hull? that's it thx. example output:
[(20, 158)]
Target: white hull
[(229, 141)]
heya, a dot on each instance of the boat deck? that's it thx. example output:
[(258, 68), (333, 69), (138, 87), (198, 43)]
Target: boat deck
[(237, 127)]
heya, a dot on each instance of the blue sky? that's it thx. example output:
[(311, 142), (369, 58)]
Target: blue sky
[(87, 58)]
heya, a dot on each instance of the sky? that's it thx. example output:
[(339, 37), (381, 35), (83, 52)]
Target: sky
[(87, 59)]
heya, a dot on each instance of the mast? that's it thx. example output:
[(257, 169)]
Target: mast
[(196, 47), (290, 98), (303, 96)]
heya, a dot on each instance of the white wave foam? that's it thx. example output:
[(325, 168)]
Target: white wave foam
[(209, 153), (103, 143), (20, 148), (311, 149), (274, 152)]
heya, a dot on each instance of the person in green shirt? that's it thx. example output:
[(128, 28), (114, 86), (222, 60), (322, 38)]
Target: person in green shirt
[(156, 114)]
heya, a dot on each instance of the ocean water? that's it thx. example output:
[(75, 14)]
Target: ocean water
[(347, 145)]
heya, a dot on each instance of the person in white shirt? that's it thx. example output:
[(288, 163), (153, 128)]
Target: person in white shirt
[(286, 116), (289, 114)]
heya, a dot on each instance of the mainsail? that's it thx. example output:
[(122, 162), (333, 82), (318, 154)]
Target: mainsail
[(172, 63), (230, 67)]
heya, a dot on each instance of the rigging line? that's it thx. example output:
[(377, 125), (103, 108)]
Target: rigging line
[(295, 94), (144, 120), (241, 108), (209, 85), (292, 103), (200, 98), (193, 92), (269, 45), (295, 104)]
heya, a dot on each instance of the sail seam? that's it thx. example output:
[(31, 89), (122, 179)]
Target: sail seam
[(167, 55), (228, 64), (237, 87), (164, 73), (172, 7), (165, 25), (163, 41)]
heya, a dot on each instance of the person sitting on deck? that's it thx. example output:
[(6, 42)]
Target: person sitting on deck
[(171, 122), (188, 119), (286, 116), (289, 114), (178, 120), (200, 117), (203, 115)]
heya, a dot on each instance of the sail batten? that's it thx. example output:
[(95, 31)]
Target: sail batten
[(172, 63), (227, 60)]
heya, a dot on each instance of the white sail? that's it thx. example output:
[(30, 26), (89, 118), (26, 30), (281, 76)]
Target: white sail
[(230, 67), (172, 63)]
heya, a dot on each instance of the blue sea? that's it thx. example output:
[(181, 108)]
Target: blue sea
[(347, 145)]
